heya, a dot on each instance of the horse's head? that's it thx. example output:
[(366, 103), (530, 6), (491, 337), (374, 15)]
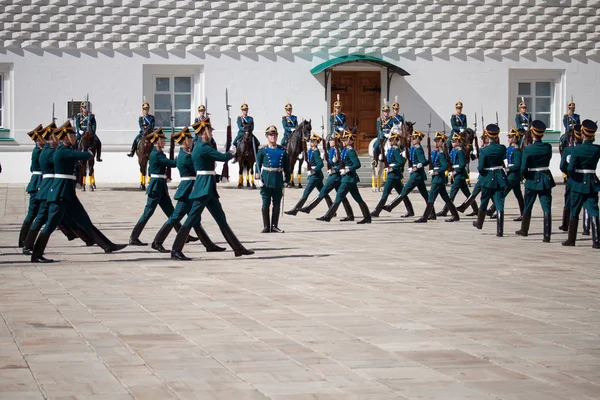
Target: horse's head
[(305, 129), (248, 127)]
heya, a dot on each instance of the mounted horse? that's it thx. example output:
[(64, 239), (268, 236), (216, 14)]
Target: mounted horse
[(143, 151), (86, 168), (294, 148), (378, 175), (246, 155)]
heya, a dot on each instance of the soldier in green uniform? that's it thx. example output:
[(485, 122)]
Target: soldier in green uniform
[(349, 160), (272, 173), (34, 183), (187, 172), (145, 121), (535, 168), (492, 177), (85, 120), (564, 167), (585, 184), (417, 176), (394, 173), (204, 195)]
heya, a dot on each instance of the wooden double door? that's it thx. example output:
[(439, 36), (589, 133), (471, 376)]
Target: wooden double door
[(360, 94)]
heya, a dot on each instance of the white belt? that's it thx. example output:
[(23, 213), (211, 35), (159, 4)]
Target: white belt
[(510, 165), (188, 178), (47, 176), (206, 173), (392, 165), (455, 166), (436, 169), (494, 168), (63, 176), (538, 169), (586, 171), (272, 169), (158, 176), (36, 173)]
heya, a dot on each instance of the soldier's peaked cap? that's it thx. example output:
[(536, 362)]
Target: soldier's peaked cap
[(35, 132), (538, 128), (181, 135), (153, 137), (589, 128), (62, 130), (492, 130), (48, 130)]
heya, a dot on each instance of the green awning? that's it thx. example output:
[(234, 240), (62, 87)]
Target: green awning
[(334, 62)]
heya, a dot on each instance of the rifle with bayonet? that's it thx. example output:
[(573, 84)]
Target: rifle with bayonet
[(325, 152), (225, 171), (429, 143), (476, 139), (171, 143), (447, 152), (337, 153)]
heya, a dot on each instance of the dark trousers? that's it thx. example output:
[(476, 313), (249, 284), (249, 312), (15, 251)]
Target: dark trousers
[(545, 199)]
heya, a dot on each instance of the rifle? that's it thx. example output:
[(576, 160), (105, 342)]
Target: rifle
[(53, 118), (337, 154), (447, 152), (382, 149), (305, 152), (476, 138), (171, 143), (225, 171), (429, 143), (325, 152)]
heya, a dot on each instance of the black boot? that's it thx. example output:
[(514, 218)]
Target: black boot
[(102, 241), (475, 211), (480, 219), (521, 202), (98, 150), (394, 203), (311, 206), (595, 233), (210, 246), (410, 211), (133, 149), (161, 236), (275, 221), (266, 220), (572, 235), (547, 227), (180, 239), (524, 231), (586, 223), (378, 208), (453, 212), (67, 231), (432, 215), (83, 235), (364, 208), (190, 238), (330, 213), (426, 213), (37, 255), (490, 212), (296, 208), (444, 212), (467, 203), (30, 241), (565, 221), (24, 231), (349, 212), (134, 239), (236, 245), (500, 224), (328, 201)]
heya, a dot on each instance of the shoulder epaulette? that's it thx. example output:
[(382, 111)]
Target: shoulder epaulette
[(280, 147), (263, 146)]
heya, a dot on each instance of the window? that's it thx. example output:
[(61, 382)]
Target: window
[(538, 97), (173, 96), (1, 99)]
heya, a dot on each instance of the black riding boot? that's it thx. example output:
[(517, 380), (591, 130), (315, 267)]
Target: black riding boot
[(547, 227), (410, 211), (444, 211), (480, 219), (37, 255), (595, 233), (348, 209), (275, 221), (83, 235), (133, 149), (426, 214), (134, 238), (30, 241), (394, 203), (364, 208), (236, 245), (68, 232), (525, 222), (266, 215), (180, 239), (161, 236), (586, 223), (565, 220), (98, 150), (572, 235), (328, 201), (210, 246), (432, 215), (190, 238), (500, 223), (490, 211), (102, 241), (521, 202), (330, 213), (453, 212), (296, 208), (467, 203), (378, 208), (312, 205), (24, 231)]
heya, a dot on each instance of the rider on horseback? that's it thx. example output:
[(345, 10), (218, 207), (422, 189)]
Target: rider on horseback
[(201, 117), (337, 120), (145, 120), (384, 126), (83, 120), (244, 123), (289, 122), (396, 117), (458, 122)]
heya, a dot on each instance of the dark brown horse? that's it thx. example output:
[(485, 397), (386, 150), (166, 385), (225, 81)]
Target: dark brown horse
[(246, 157), (143, 154), (86, 168), (294, 148)]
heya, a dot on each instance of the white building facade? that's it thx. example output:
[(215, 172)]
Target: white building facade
[(182, 53)]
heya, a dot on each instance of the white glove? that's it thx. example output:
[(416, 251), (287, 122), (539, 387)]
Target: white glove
[(343, 171), (568, 158), (419, 165), (310, 172), (390, 170), (430, 172), (334, 159), (381, 157), (404, 153), (232, 150), (340, 129), (259, 183), (328, 172), (462, 130)]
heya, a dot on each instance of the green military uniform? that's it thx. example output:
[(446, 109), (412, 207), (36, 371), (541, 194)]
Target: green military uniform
[(535, 168), (585, 184), (395, 162), (33, 186), (514, 158), (564, 167), (84, 121)]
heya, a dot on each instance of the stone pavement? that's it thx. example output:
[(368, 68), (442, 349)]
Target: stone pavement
[(391, 310)]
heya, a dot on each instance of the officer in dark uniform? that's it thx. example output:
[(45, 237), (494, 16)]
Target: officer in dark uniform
[(394, 173), (290, 123), (585, 184), (570, 119), (384, 126), (204, 195), (337, 120), (523, 119), (535, 169), (243, 121), (82, 121), (34, 183), (272, 172), (145, 121), (564, 167), (492, 177), (458, 122), (397, 119)]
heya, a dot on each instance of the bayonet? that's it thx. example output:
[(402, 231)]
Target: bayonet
[(53, 118)]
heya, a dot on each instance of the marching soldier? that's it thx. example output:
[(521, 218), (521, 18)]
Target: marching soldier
[(585, 184), (384, 126), (349, 181), (523, 119), (272, 172), (438, 182), (564, 167), (417, 176), (397, 119), (394, 174), (570, 119), (315, 173), (145, 121), (34, 183), (458, 160), (84, 120), (204, 194), (334, 180), (535, 169), (337, 120), (458, 122), (187, 172), (492, 177), (289, 122)]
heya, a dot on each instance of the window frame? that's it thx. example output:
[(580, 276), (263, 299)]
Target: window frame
[(172, 110), (532, 99), (2, 91)]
